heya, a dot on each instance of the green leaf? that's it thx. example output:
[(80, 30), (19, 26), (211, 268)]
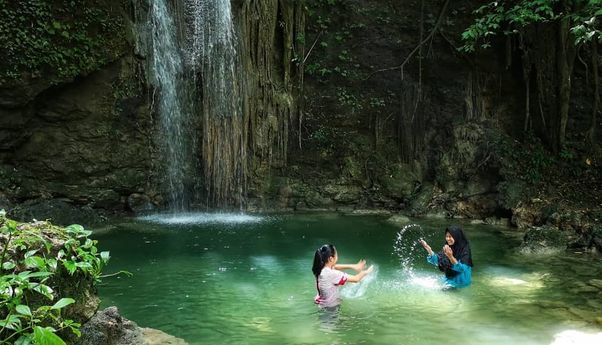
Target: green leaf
[(23, 340), (44, 290), (46, 336), (40, 274), (70, 266), (35, 262), (74, 229), (23, 310), (9, 265), (63, 302), (12, 322)]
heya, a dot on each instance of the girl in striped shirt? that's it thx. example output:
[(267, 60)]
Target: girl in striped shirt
[(329, 277)]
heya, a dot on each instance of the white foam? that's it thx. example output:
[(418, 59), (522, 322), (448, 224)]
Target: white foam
[(571, 337), (201, 218)]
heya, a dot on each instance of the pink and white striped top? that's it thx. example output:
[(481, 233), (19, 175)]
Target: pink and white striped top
[(329, 281)]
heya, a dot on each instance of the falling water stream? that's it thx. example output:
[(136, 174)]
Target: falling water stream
[(195, 70), (168, 71)]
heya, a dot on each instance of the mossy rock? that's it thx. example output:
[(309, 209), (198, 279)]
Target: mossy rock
[(544, 237)]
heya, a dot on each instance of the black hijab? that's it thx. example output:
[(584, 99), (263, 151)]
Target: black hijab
[(460, 249)]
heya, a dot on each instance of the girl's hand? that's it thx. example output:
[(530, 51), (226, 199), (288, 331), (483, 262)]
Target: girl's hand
[(360, 265), (448, 251), (426, 246)]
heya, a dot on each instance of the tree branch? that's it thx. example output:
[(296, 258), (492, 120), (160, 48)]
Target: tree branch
[(417, 48)]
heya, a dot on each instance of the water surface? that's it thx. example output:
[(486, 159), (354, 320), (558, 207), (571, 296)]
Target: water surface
[(231, 279)]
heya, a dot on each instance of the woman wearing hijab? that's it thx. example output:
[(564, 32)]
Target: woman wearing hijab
[(455, 259)]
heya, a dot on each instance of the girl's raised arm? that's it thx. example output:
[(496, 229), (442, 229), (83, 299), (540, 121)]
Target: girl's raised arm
[(356, 267)]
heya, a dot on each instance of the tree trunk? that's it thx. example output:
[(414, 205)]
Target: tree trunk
[(591, 132), (565, 58)]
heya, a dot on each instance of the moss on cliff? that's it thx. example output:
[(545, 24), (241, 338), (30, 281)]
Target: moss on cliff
[(60, 38)]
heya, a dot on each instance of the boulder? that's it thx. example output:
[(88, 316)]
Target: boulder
[(107, 327), (140, 203)]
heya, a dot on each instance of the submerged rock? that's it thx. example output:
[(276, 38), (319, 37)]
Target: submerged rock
[(399, 220), (107, 327)]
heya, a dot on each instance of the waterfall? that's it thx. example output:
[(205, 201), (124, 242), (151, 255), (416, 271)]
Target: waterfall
[(170, 97), (211, 51)]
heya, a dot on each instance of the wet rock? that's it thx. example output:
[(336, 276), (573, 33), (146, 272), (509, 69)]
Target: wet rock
[(140, 203), (596, 282), (421, 201), (58, 211), (107, 327), (367, 212), (497, 221), (436, 215), (343, 193), (528, 214), (545, 237), (107, 199), (316, 200), (156, 337), (477, 222), (5, 204)]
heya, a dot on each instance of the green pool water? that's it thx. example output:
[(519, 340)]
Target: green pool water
[(247, 280)]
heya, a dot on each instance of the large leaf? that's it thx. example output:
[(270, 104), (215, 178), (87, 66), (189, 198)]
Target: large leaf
[(35, 262), (8, 265), (46, 336), (63, 302), (78, 230), (23, 310), (44, 290)]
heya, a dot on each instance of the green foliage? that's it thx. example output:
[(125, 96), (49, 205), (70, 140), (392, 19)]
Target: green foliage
[(527, 162), (62, 38), (29, 262), (511, 16), (377, 102), (347, 99)]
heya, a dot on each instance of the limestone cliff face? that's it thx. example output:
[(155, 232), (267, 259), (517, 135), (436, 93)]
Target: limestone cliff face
[(78, 129), (90, 137)]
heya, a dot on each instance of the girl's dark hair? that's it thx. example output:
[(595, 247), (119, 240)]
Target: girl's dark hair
[(321, 257)]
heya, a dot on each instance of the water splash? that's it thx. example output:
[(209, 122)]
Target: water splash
[(356, 290), (407, 248)]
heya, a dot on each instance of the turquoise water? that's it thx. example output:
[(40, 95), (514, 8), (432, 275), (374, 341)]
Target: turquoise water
[(248, 280)]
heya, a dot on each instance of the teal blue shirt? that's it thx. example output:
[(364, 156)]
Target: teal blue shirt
[(462, 279)]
